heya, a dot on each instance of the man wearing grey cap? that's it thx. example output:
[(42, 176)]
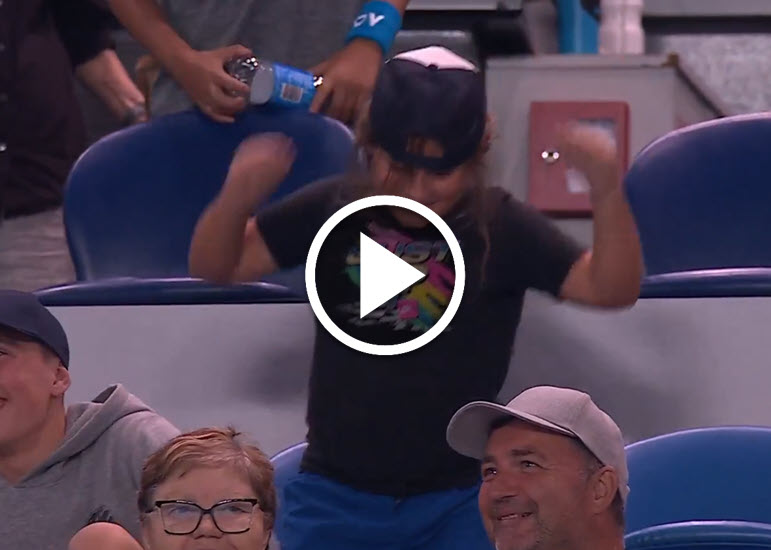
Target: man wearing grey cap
[(554, 473), (62, 468)]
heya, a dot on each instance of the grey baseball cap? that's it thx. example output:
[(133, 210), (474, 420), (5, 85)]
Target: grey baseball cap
[(562, 410)]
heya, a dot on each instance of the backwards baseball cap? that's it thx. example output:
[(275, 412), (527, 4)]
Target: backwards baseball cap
[(562, 410), (23, 312), (429, 93)]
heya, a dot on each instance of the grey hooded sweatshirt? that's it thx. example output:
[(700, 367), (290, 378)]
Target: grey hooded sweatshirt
[(92, 476)]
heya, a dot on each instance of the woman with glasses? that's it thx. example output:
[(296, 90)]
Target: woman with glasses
[(206, 486)]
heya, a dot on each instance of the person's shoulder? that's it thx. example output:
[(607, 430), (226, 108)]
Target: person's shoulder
[(146, 424), (499, 203), (509, 217), (327, 190), (493, 194), (126, 443), (140, 432), (136, 436), (335, 181)]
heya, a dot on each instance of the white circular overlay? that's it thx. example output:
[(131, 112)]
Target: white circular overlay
[(385, 349)]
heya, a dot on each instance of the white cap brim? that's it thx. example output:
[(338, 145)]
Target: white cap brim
[(469, 428)]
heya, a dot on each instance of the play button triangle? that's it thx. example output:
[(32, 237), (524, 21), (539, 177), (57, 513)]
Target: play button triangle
[(383, 275)]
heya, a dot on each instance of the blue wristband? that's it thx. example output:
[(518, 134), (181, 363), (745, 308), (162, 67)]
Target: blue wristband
[(378, 21)]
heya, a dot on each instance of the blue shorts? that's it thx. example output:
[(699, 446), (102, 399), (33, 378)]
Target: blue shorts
[(317, 513)]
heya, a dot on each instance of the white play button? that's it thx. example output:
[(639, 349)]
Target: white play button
[(383, 275), (364, 292)]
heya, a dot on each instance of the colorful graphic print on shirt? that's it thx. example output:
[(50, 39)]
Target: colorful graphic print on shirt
[(419, 307)]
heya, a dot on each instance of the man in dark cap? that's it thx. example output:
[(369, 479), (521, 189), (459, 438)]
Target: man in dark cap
[(62, 468)]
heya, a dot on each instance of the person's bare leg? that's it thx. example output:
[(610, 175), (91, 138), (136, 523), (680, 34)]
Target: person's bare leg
[(101, 536)]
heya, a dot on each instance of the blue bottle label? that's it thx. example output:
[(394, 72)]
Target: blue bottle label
[(292, 87)]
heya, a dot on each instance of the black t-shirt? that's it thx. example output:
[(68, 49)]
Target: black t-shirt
[(378, 423), (405, 316)]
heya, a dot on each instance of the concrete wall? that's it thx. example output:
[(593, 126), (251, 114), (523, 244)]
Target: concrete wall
[(662, 366), (200, 365)]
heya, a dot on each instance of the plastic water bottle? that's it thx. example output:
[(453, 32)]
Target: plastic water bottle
[(609, 34), (274, 83), (621, 29), (634, 36)]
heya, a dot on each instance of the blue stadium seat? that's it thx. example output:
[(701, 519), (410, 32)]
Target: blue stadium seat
[(700, 197), (134, 197), (128, 291), (707, 474), (709, 283), (287, 463), (704, 535)]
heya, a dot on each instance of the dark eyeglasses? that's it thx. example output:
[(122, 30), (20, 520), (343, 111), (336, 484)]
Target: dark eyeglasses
[(181, 517)]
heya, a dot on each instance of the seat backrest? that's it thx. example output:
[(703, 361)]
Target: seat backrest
[(701, 194), (704, 474), (286, 464), (704, 535), (133, 198)]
